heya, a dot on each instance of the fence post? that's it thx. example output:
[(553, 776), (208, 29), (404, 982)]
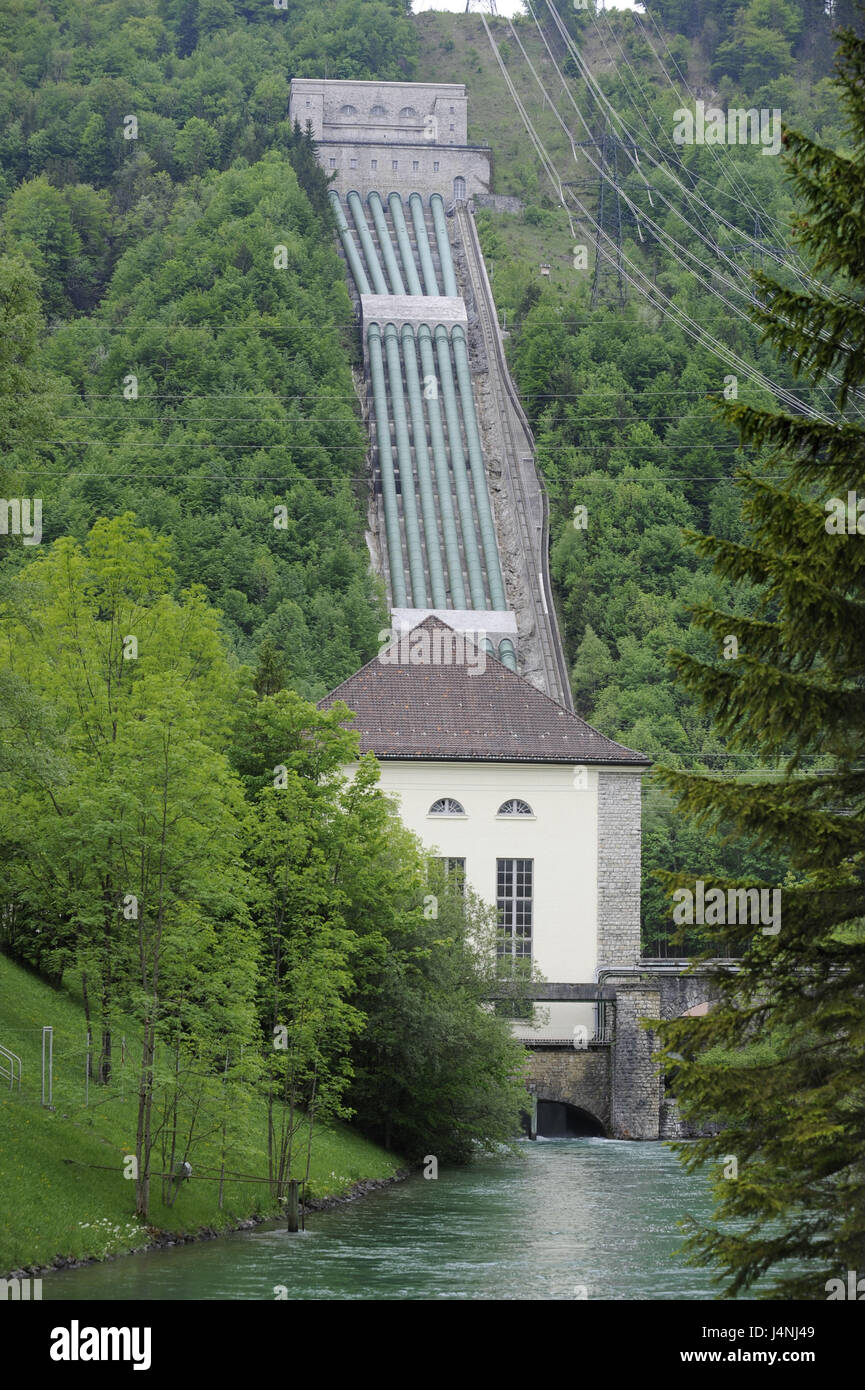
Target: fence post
[(48, 1071)]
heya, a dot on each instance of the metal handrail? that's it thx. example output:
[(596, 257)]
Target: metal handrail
[(10, 1072)]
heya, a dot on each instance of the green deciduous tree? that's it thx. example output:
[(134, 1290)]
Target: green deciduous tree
[(121, 826)]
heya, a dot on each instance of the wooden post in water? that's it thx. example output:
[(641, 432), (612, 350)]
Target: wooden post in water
[(291, 1206)]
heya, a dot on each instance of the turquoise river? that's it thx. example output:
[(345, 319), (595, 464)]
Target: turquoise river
[(564, 1219)]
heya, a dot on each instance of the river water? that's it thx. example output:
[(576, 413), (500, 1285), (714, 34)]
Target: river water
[(565, 1219)]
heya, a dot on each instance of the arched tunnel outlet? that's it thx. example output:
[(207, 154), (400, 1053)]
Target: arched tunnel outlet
[(559, 1120)]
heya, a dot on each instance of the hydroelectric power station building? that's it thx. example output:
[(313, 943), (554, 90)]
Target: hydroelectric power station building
[(469, 707)]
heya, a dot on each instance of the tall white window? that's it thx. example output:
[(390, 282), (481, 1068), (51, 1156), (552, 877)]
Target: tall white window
[(455, 872), (514, 893)]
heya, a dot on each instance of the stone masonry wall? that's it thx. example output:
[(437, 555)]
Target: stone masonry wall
[(637, 1086), (421, 169), (499, 202), (579, 1077), (619, 806)]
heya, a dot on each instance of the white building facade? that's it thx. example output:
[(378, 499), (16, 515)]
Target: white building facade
[(538, 811)]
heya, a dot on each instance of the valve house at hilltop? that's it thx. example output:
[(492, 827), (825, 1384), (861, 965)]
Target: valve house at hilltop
[(407, 136)]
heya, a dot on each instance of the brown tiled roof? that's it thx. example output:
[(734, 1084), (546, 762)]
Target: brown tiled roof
[(457, 712)]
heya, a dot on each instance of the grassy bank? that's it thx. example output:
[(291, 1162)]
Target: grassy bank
[(62, 1190)]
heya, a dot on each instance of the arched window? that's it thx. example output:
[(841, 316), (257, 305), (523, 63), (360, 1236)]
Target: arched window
[(408, 113), (377, 111), (515, 807), (446, 806), (459, 190), (348, 110)]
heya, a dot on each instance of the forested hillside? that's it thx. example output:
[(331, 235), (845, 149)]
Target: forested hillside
[(120, 124)]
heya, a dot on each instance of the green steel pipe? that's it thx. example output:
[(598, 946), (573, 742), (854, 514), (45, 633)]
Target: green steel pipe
[(372, 261), (351, 252), (385, 244), (507, 654), (385, 459), (479, 477), (419, 220), (474, 568), (403, 449), (424, 474), (440, 457), (436, 202), (394, 202)]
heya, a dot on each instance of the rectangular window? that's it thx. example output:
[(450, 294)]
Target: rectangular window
[(455, 872), (373, 163), (353, 163), (451, 127), (394, 164), (415, 165), (514, 891), (332, 163), (435, 166)]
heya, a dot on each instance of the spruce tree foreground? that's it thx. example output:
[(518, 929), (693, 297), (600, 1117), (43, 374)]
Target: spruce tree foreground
[(779, 1064)]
